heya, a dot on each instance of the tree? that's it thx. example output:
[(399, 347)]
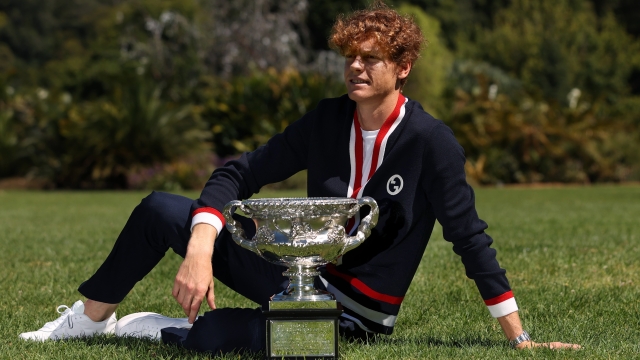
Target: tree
[(239, 35), (554, 46), (322, 15), (428, 78)]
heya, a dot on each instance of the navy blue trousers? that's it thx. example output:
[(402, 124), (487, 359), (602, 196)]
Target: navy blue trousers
[(161, 222)]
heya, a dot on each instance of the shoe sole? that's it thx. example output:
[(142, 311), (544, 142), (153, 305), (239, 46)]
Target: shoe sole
[(126, 320)]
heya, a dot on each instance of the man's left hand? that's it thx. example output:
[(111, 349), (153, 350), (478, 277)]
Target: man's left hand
[(550, 345)]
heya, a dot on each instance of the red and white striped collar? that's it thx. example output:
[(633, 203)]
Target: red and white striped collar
[(356, 181)]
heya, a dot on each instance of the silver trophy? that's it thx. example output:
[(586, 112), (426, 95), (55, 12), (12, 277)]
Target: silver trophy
[(301, 234)]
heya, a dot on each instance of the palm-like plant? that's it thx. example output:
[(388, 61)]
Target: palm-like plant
[(107, 138)]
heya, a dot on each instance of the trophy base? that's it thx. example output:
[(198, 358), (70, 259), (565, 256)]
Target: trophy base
[(302, 329)]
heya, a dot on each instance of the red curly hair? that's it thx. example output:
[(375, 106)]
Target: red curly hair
[(397, 36)]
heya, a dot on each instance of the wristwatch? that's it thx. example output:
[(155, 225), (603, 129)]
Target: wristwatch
[(520, 339)]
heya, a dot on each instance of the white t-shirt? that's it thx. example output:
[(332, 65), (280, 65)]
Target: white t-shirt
[(368, 142)]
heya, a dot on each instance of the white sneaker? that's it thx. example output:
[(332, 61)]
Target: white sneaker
[(147, 325), (71, 323)]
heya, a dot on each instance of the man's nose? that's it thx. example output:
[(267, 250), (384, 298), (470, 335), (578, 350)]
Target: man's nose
[(357, 63)]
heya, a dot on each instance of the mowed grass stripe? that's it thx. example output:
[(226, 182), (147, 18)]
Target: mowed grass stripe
[(572, 257)]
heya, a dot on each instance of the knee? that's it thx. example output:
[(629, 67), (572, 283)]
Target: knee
[(164, 216), (153, 203), (154, 200), (161, 207)]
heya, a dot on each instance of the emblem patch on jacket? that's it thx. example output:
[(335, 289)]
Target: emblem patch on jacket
[(395, 184)]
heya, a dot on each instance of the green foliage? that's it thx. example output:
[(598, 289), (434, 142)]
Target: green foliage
[(135, 127), (97, 94), (185, 173), (321, 16), (133, 93), (627, 13), (8, 142), (460, 19), (428, 78), (109, 103), (522, 140), (246, 111), (554, 46), (96, 143), (563, 110)]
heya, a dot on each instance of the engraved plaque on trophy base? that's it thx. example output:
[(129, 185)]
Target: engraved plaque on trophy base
[(302, 330)]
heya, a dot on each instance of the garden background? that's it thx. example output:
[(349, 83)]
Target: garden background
[(99, 94), (154, 94)]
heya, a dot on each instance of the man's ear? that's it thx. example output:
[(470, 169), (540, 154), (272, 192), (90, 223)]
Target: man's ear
[(404, 70)]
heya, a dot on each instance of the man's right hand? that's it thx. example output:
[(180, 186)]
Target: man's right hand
[(194, 280)]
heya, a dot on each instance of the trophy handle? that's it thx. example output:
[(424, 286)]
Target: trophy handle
[(237, 233), (364, 230)]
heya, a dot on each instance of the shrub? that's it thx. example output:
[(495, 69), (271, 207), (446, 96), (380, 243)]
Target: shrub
[(523, 141), (94, 144), (189, 173), (243, 113)]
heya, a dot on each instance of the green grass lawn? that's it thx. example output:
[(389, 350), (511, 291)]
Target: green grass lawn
[(572, 256)]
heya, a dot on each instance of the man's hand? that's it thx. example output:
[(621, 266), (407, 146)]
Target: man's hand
[(551, 345), (512, 328), (194, 280)]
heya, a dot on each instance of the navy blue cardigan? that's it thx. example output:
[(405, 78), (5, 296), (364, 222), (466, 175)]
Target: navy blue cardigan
[(419, 179)]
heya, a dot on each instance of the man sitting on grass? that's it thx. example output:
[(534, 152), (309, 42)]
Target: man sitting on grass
[(373, 141)]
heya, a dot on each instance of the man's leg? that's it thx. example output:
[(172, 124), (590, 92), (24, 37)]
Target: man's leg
[(223, 329), (160, 222)]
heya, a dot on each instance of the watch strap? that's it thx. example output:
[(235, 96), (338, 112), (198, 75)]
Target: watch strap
[(520, 339)]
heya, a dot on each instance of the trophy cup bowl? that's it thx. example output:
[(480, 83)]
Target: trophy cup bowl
[(301, 234)]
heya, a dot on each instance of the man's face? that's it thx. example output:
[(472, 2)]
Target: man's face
[(368, 74)]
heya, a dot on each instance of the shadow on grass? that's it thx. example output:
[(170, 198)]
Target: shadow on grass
[(143, 348)]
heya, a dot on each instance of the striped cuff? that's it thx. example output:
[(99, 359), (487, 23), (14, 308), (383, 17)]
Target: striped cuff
[(502, 305), (209, 216)]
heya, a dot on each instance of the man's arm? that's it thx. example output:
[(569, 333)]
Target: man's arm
[(454, 205), (238, 179), (194, 280), (512, 328)]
